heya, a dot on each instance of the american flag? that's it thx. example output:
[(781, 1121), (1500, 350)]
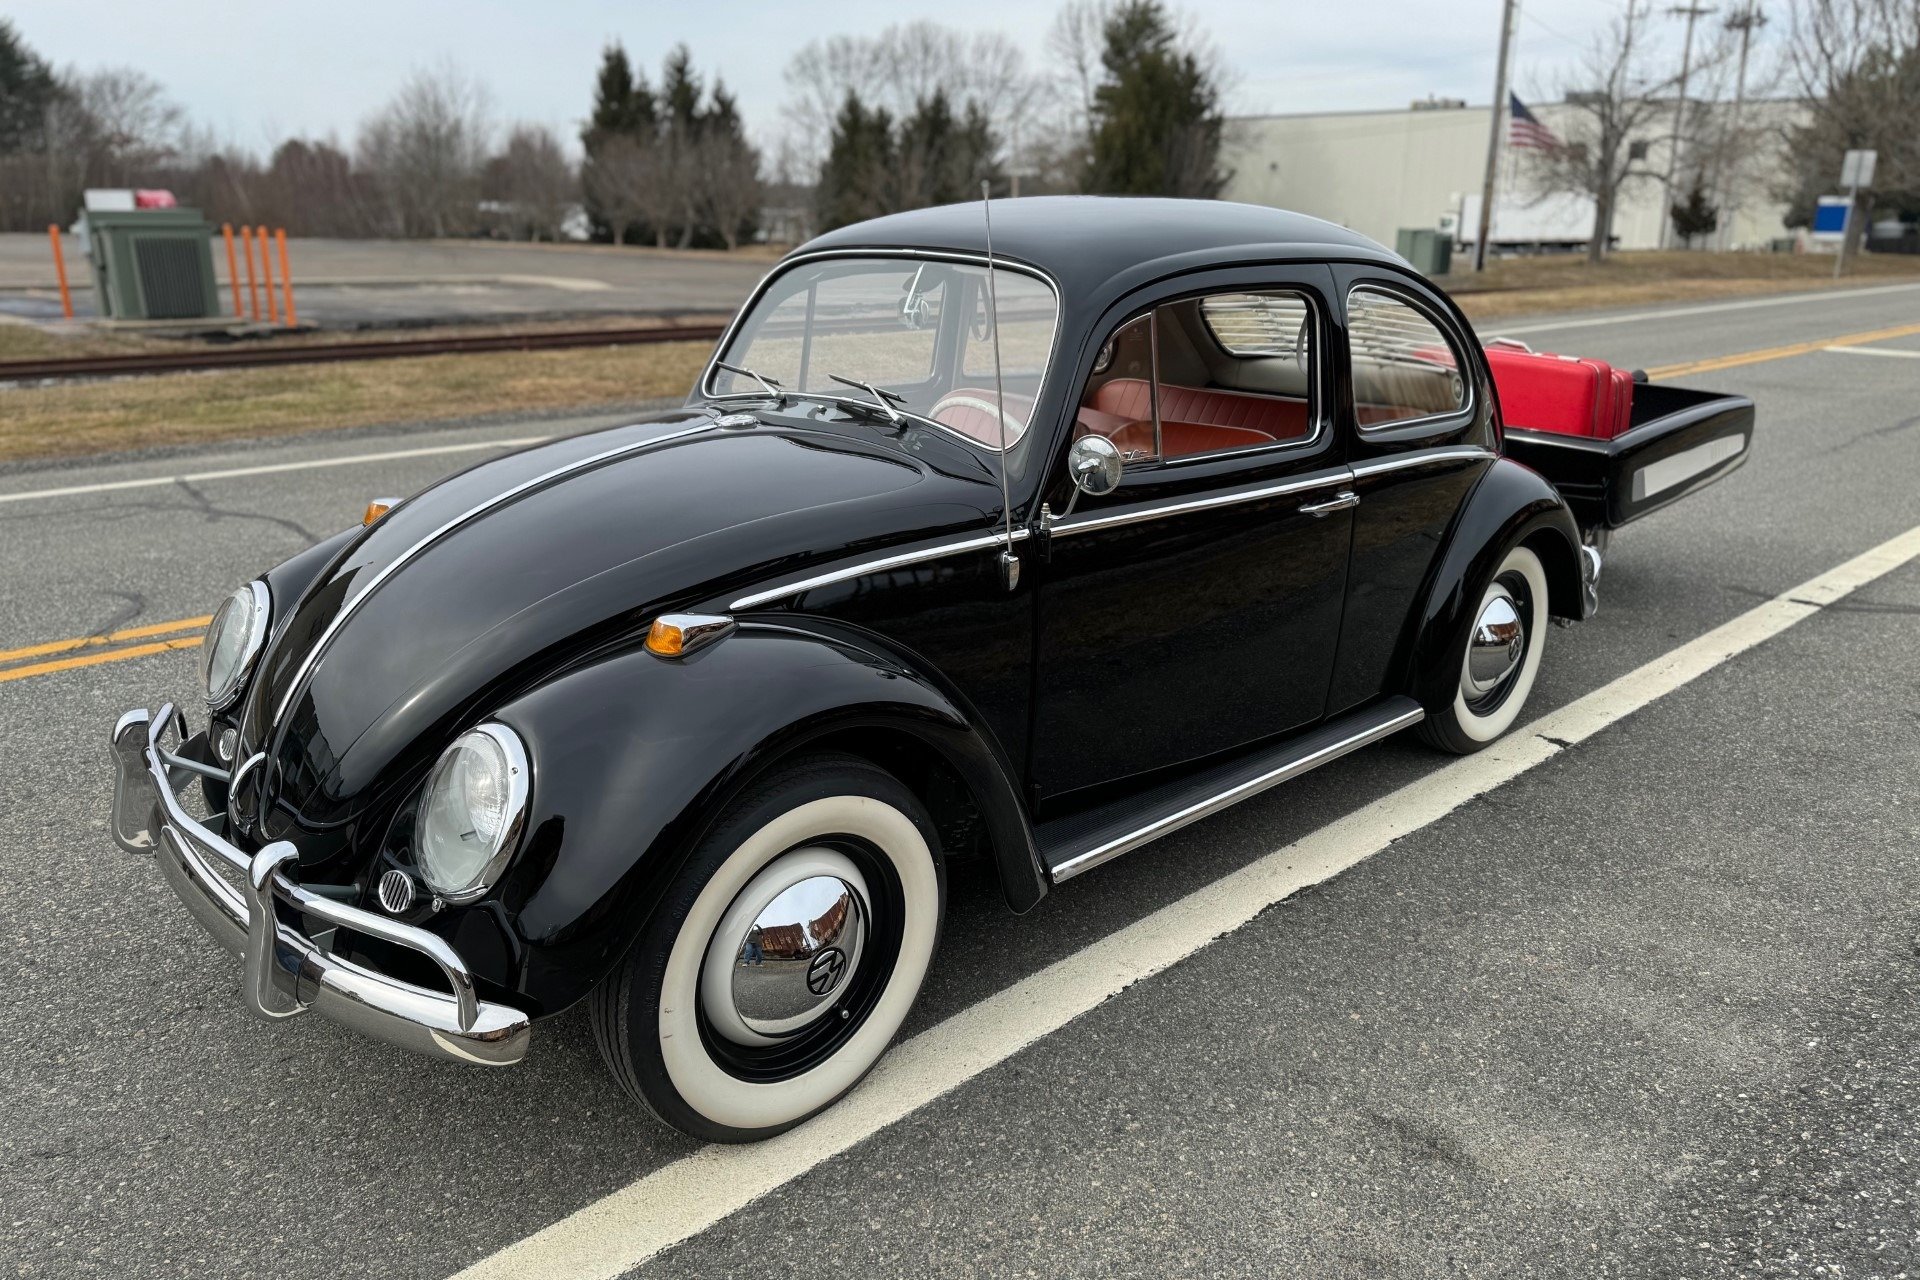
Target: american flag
[(1523, 131)]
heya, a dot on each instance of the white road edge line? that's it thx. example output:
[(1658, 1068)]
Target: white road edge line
[(272, 468), (1494, 327), (674, 1203), (1873, 351)]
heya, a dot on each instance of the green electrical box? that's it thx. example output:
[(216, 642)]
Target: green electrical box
[(152, 264), (1429, 250)]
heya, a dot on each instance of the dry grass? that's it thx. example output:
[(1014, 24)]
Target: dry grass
[(1540, 286), (192, 408)]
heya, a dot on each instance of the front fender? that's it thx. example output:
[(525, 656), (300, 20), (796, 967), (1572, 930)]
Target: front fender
[(1511, 504), (633, 756)]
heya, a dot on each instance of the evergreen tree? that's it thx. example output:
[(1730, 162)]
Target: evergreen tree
[(622, 103), (856, 180), (1156, 115), (27, 89), (623, 119), (1695, 216)]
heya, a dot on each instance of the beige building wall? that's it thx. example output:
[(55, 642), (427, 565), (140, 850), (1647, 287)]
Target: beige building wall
[(1378, 171)]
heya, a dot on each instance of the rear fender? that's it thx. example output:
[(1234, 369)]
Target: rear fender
[(1511, 505), (634, 756)]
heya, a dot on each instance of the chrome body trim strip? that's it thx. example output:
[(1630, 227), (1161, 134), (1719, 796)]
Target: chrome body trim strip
[(1420, 458), (1585, 444), (288, 973), (1181, 506), (393, 566), (1232, 795), (900, 561)]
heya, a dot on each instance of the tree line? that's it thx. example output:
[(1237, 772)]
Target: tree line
[(920, 115)]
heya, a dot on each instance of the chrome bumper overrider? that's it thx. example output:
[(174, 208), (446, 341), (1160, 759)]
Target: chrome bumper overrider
[(288, 973)]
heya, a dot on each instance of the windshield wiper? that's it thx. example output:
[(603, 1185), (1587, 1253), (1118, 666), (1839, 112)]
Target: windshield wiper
[(881, 398), (773, 388)]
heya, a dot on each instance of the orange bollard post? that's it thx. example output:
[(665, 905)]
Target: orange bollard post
[(60, 269), (253, 288), (266, 274), (233, 270), (286, 280)]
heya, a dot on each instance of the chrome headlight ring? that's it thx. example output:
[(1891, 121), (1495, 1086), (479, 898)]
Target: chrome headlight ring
[(233, 643), (471, 812)]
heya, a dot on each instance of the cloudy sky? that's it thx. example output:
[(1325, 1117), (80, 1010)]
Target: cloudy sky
[(258, 72)]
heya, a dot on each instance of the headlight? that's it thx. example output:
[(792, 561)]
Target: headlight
[(470, 812), (233, 641)]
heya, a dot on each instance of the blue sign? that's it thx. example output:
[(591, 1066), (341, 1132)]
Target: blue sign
[(1830, 218)]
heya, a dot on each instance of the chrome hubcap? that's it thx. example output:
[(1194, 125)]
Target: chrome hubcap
[(787, 948), (1499, 640)]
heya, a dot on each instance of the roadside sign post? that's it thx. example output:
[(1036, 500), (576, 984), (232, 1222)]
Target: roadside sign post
[(1856, 171)]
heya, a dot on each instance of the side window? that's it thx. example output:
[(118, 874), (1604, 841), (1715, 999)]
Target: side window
[(1404, 367), (1216, 374)]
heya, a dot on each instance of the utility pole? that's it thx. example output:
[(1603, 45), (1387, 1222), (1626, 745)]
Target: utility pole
[(1507, 8), (1692, 13), (1746, 22)]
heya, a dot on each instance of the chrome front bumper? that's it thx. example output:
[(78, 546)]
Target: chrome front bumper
[(288, 973)]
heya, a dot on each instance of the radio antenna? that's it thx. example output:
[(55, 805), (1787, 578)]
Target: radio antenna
[(1009, 562)]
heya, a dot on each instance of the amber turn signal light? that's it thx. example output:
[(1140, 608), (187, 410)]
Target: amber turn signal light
[(377, 508), (666, 640), (675, 635)]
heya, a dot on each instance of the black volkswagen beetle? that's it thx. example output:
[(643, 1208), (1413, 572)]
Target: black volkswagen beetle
[(1035, 562)]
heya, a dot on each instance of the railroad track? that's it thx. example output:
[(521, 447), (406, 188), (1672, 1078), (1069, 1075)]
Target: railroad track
[(246, 357)]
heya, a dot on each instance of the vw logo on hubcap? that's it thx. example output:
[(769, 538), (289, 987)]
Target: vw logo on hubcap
[(824, 974)]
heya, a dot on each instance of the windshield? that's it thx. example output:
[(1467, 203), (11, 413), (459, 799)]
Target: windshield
[(920, 331)]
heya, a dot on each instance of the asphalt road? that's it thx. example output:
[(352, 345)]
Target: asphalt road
[(348, 283), (1648, 1009)]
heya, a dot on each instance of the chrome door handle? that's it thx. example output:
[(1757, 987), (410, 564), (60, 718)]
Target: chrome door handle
[(1338, 502)]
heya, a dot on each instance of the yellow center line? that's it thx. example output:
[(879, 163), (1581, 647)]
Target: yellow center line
[(93, 642), (95, 659), (1781, 353)]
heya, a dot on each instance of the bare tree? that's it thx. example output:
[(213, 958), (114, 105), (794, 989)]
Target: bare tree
[(727, 173), (532, 183), (124, 121), (1615, 111), (1857, 65), (616, 183), (659, 192), (424, 151), (904, 66)]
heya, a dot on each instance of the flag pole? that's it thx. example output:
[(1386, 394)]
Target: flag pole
[(1493, 136)]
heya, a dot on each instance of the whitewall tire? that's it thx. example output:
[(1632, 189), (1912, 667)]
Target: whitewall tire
[(1506, 631), (783, 959)]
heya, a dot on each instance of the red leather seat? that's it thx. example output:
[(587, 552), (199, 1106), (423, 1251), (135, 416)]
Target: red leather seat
[(1201, 418)]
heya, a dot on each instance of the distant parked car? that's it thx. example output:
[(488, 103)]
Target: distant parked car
[(1034, 561)]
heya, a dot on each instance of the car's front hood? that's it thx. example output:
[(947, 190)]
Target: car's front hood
[(503, 572)]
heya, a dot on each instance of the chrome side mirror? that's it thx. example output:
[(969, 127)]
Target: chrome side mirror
[(1094, 463)]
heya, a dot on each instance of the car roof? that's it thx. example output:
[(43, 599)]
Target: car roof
[(1094, 245)]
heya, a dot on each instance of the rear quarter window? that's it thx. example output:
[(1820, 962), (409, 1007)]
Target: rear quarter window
[(1404, 367)]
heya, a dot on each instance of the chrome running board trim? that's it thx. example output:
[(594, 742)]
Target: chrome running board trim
[(1388, 721)]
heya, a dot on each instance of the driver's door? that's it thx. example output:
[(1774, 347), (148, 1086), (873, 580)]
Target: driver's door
[(1196, 608)]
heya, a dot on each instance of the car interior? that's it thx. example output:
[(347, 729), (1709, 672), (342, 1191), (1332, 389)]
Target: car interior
[(1235, 372)]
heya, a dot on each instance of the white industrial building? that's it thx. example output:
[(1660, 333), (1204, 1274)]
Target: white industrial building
[(1379, 171)]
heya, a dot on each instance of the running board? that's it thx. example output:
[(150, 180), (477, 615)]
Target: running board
[(1083, 841)]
